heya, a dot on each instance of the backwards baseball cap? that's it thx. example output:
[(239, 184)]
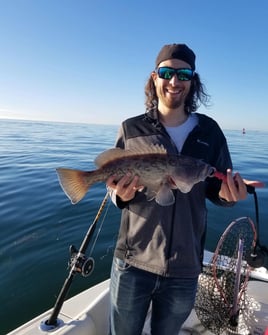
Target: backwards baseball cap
[(177, 51)]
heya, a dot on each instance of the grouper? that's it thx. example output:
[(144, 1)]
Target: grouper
[(159, 173)]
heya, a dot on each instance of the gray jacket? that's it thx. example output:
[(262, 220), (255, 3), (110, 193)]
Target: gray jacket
[(169, 240)]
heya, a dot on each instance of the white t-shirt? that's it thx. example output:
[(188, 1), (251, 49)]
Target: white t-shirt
[(179, 133)]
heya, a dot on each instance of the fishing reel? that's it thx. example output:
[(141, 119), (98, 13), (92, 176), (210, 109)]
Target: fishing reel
[(79, 263)]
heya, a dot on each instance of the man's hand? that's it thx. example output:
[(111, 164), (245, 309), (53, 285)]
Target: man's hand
[(126, 187), (234, 188)]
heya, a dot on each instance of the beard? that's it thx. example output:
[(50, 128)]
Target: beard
[(171, 101)]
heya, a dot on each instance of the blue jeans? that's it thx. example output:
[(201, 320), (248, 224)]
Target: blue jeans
[(132, 290)]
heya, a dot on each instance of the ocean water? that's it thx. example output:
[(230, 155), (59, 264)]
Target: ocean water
[(38, 223)]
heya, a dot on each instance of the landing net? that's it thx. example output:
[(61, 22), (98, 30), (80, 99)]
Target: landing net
[(221, 301)]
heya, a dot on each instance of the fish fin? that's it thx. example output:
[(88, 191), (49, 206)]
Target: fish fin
[(150, 195), (184, 187), (165, 196), (73, 183), (109, 155), (116, 153)]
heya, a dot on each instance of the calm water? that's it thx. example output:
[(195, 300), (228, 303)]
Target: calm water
[(38, 222)]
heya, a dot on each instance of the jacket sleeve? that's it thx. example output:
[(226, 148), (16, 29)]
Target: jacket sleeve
[(222, 163)]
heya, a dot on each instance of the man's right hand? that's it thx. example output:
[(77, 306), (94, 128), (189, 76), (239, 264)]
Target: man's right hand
[(126, 187)]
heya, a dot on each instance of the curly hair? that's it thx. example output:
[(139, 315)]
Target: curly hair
[(195, 98)]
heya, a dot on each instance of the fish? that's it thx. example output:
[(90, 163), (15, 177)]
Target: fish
[(159, 172)]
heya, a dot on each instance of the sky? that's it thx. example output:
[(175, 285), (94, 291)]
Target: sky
[(87, 61)]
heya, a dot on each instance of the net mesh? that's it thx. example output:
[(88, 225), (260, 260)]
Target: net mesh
[(221, 300)]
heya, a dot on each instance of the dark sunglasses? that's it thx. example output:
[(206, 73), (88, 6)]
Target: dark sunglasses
[(168, 72)]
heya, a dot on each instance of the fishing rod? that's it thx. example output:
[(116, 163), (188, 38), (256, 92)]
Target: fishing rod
[(79, 263)]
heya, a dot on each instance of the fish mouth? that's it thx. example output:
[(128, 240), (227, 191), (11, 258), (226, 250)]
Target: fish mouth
[(211, 171)]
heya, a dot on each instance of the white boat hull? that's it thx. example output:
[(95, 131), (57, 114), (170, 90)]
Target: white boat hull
[(88, 312), (84, 314)]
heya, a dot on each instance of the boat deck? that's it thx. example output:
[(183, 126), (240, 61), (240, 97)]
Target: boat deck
[(93, 305)]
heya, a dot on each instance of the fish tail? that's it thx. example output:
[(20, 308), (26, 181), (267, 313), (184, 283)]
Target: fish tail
[(73, 183)]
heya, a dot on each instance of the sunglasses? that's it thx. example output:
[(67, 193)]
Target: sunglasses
[(168, 72)]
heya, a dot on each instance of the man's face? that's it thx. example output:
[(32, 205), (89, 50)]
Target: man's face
[(172, 92)]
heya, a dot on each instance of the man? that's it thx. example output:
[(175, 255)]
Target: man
[(159, 251)]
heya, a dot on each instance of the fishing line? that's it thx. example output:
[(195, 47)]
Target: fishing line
[(101, 225), (110, 248)]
